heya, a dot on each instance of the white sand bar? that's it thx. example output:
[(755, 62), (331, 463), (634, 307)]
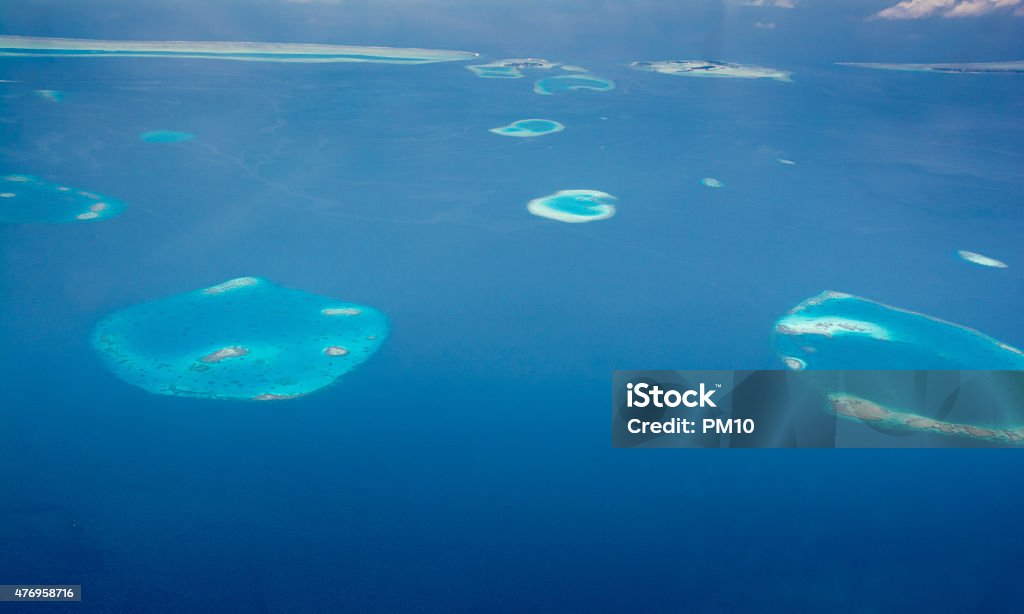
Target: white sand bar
[(25, 46)]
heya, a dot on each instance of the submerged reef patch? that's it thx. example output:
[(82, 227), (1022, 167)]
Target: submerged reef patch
[(895, 420), (979, 259), (529, 128), (51, 95), (27, 199), (509, 69), (216, 50), (711, 182), (839, 331), (246, 338), (709, 68), (566, 83), (574, 206), (166, 136), (988, 68)]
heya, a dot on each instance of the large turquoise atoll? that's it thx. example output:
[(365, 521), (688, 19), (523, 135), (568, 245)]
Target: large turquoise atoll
[(216, 50), (27, 199), (988, 68), (578, 81), (246, 339), (166, 136), (574, 206), (529, 128), (509, 69), (708, 68), (840, 331)]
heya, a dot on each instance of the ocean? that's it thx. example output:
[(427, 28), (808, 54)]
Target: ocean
[(467, 465)]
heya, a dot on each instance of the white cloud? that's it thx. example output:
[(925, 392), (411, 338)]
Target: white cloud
[(765, 25), (917, 9), (782, 4)]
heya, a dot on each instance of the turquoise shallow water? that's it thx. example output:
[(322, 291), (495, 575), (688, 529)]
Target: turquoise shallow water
[(834, 330), (568, 83), (497, 72), (244, 339), (574, 206), (29, 199), (529, 128), (166, 136)]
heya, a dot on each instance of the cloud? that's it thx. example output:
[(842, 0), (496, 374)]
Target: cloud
[(917, 9), (782, 4), (765, 25)]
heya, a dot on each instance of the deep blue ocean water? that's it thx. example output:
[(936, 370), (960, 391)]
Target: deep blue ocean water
[(468, 464)]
